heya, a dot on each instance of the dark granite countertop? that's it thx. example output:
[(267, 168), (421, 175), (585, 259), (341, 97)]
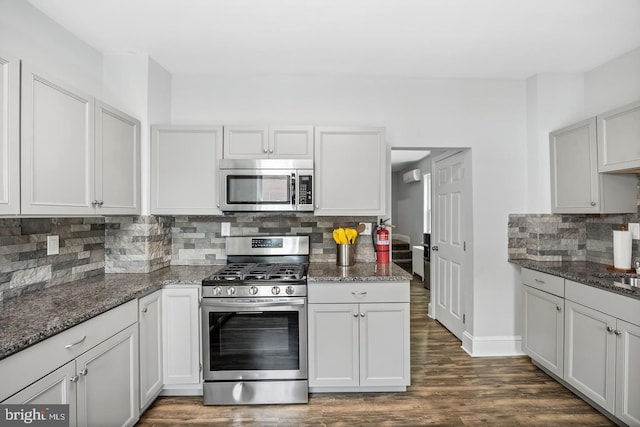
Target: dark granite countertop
[(587, 273), (359, 272), (28, 319)]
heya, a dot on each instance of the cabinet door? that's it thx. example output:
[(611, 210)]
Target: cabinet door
[(150, 324), (57, 147), (246, 142), (574, 169), (117, 168), (590, 349), (350, 165), (108, 386), (333, 345), (55, 388), (384, 344), (184, 170), (628, 373), (181, 336), (619, 139), (544, 329), (291, 142), (9, 135)]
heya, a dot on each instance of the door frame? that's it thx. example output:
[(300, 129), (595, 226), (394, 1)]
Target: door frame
[(466, 293)]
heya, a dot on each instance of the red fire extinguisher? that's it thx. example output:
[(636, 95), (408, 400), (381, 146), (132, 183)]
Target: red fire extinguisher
[(382, 243)]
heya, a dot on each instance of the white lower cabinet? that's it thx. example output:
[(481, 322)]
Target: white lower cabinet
[(92, 367), (590, 353), (181, 348), (628, 373), (150, 326), (544, 329), (358, 346)]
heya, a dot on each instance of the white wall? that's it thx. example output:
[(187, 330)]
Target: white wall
[(613, 84), (486, 115), (28, 34)]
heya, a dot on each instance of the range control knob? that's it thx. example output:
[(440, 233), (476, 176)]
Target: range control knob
[(217, 290), (253, 290), (275, 290), (231, 291), (290, 290)]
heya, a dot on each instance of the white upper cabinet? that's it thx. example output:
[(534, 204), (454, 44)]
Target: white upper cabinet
[(70, 166), (350, 166), (273, 142), (619, 139), (576, 185), (57, 150), (184, 169), (9, 135), (117, 165)]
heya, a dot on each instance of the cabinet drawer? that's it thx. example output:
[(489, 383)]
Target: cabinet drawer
[(23, 368), (357, 292), (616, 305), (543, 281)]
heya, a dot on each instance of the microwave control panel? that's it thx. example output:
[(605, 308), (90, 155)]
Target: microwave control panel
[(305, 190)]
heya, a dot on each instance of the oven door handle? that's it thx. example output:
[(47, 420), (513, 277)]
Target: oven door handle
[(254, 305)]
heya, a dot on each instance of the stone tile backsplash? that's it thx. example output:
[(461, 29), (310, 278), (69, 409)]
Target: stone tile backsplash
[(25, 265), (196, 240)]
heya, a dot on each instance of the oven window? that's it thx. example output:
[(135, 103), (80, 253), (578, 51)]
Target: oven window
[(254, 341), (261, 189)]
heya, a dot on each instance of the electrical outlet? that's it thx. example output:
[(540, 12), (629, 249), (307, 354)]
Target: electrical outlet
[(225, 229), (53, 245), (367, 229), (634, 228)]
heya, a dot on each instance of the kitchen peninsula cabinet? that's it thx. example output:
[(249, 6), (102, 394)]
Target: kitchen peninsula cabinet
[(358, 337), (92, 367), (150, 327), (181, 348), (9, 135), (350, 166), (78, 156), (184, 170), (576, 185), (273, 142), (619, 139)]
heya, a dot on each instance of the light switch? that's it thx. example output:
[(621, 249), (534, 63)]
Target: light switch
[(53, 245), (634, 228), (225, 229)]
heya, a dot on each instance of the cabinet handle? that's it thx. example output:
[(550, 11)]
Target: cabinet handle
[(538, 281), (361, 314), (144, 310), (317, 206), (94, 202), (271, 151), (609, 329), (83, 372), (617, 332), (100, 202), (358, 294), (265, 151), (593, 203), (76, 343), (558, 308), (355, 314), (74, 379)]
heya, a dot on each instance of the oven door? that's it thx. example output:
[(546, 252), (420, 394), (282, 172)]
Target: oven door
[(254, 339), (258, 190)]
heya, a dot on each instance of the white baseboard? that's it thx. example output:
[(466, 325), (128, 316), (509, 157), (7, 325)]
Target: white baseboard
[(492, 346), (430, 312)]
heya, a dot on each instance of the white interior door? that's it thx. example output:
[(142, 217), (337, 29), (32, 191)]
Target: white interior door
[(448, 242)]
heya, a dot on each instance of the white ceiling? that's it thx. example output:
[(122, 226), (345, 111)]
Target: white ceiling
[(414, 38)]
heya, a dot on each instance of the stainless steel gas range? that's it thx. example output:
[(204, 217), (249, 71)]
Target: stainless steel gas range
[(254, 323)]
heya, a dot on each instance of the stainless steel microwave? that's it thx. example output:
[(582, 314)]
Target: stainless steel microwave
[(266, 185)]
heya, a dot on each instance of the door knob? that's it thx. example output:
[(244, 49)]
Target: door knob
[(434, 248)]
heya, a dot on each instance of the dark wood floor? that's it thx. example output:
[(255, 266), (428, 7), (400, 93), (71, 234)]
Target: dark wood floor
[(449, 388)]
